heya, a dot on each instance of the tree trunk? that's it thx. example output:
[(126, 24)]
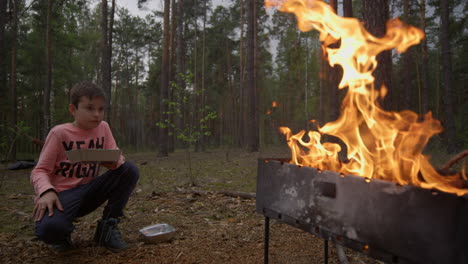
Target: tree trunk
[(306, 86), (407, 67), (256, 77), (241, 114), (179, 61), (3, 64), (105, 65), (163, 131), (109, 61), (134, 104), (232, 123), (322, 87), (425, 63), (171, 142), (13, 98), (252, 120), (334, 74), (375, 16), (48, 87), (196, 101), (446, 59), (202, 112), (348, 8), (127, 101)]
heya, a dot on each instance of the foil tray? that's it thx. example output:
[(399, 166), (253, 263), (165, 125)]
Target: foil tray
[(157, 233)]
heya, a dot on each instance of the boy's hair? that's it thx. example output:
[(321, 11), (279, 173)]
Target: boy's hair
[(85, 88)]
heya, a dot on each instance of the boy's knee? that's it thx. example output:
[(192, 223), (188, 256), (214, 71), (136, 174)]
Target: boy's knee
[(132, 171), (53, 229)]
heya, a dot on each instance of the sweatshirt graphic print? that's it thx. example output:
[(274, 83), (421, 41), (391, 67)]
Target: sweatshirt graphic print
[(55, 171), (80, 169)]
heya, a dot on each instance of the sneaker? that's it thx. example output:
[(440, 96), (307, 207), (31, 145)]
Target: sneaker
[(108, 235), (64, 246)]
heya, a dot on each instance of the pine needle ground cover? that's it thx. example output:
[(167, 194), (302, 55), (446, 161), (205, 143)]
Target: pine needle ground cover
[(212, 227)]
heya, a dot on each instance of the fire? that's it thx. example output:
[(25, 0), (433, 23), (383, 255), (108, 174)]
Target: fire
[(380, 144)]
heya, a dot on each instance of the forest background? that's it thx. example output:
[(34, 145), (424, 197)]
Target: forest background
[(196, 74)]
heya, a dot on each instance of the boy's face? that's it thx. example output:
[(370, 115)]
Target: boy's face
[(89, 113)]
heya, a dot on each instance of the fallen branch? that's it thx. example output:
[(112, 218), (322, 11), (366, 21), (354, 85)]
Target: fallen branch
[(244, 195), (454, 160), (198, 192)]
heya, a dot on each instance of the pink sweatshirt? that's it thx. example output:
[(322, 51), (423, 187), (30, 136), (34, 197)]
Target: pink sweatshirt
[(55, 171)]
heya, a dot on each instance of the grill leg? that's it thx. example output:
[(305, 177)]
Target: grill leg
[(325, 251), (267, 240)]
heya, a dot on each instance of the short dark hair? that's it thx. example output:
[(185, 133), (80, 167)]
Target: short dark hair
[(85, 88)]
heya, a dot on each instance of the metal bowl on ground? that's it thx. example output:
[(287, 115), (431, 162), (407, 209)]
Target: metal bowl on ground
[(157, 233)]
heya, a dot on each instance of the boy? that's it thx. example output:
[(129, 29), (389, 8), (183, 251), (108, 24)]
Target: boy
[(65, 190)]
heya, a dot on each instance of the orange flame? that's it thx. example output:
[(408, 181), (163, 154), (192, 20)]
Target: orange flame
[(380, 144)]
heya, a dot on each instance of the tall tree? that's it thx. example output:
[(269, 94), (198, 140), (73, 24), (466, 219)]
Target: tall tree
[(333, 74), (106, 60), (196, 87), (252, 120), (203, 94), (257, 6), (164, 89), (348, 8), (424, 62), (3, 61), (110, 30), (220, 88), (375, 15), (322, 86), (306, 86), (48, 86), (172, 50), (446, 59), (179, 31), (13, 74), (180, 68), (241, 116), (407, 95)]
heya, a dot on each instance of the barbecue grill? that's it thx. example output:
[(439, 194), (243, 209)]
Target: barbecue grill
[(384, 220)]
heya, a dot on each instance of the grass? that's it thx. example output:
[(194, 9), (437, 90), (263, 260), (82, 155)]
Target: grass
[(17, 195), (214, 170)]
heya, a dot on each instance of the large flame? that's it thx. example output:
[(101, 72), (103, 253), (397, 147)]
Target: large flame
[(380, 144)]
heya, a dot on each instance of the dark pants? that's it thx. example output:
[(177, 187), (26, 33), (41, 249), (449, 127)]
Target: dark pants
[(114, 186)]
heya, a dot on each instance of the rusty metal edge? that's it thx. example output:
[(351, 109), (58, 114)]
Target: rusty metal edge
[(457, 255)]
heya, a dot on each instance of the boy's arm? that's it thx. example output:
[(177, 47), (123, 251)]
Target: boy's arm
[(110, 143), (40, 175)]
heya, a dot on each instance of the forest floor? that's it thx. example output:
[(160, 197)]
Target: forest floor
[(211, 227)]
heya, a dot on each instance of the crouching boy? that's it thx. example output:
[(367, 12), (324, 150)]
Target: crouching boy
[(65, 190)]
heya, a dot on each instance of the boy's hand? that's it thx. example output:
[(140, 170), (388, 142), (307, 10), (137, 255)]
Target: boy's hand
[(109, 164), (46, 202)]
